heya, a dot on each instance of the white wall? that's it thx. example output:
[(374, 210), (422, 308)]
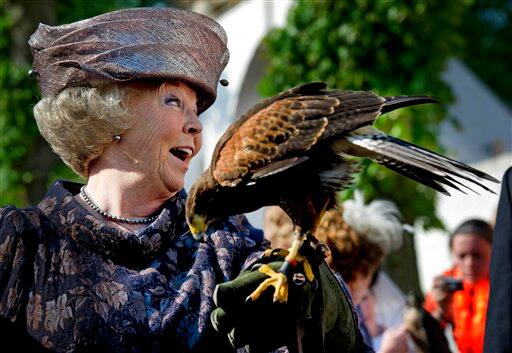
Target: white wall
[(486, 121)]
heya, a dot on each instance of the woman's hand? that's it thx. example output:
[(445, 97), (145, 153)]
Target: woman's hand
[(257, 323), (367, 306), (443, 298), (394, 340)]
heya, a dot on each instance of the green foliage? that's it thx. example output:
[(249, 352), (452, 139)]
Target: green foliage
[(18, 131), (391, 48), (73, 10), (488, 27)]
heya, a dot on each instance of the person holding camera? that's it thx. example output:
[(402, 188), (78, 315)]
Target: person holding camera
[(459, 296)]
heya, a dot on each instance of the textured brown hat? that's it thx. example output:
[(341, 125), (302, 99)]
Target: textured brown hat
[(132, 44)]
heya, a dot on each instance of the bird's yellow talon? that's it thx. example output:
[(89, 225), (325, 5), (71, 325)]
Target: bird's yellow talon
[(267, 270), (276, 280)]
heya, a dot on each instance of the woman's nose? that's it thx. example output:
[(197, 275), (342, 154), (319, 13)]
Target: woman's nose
[(470, 261), (193, 125)]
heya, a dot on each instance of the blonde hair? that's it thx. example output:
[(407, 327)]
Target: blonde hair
[(278, 227), (80, 122), (350, 253), (359, 236)]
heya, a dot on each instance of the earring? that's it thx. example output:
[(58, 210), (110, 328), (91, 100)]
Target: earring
[(117, 138)]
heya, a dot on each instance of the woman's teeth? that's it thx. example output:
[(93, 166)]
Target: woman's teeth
[(181, 153)]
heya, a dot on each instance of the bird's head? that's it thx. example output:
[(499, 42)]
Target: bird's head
[(197, 225), (196, 209)]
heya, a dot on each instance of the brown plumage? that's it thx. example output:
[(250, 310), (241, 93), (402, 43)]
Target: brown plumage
[(291, 150)]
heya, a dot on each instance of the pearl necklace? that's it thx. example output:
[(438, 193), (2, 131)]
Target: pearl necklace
[(107, 215)]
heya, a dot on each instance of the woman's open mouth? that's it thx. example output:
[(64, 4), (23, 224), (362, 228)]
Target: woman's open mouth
[(182, 153)]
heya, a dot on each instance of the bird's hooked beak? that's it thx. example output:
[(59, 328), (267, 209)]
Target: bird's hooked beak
[(198, 227)]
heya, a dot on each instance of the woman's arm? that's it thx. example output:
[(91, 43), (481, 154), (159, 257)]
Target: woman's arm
[(18, 243), (17, 251)]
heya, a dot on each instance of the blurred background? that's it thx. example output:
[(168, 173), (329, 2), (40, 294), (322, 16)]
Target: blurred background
[(458, 51)]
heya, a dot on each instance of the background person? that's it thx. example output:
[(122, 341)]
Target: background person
[(277, 227), (465, 308), (359, 237)]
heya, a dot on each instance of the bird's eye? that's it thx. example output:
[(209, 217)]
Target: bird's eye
[(172, 100)]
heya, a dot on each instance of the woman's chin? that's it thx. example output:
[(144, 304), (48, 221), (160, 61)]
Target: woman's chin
[(174, 188), (173, 178), (174, 184), (471, 277)]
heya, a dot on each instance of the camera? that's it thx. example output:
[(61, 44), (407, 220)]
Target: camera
[(452, 284)]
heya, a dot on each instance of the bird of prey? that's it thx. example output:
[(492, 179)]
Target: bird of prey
[(296, 150)]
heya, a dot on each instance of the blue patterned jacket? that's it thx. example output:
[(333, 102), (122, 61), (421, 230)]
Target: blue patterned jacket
[(72, 282)]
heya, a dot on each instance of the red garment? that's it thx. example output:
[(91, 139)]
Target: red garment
[(469, 308)]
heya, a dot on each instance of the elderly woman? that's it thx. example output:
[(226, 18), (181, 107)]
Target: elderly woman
[(110, 265)]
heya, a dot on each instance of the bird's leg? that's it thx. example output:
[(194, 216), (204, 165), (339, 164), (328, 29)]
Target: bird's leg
[(279, 279), (276, 252)]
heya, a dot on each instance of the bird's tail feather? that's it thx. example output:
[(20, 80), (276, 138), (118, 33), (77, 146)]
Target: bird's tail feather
[(426, 167), (396, 102)]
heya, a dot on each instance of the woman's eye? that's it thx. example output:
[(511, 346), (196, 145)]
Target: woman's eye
[(172, 100)]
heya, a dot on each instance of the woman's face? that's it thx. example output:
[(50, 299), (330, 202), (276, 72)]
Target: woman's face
[(359, 286), (166, 134), (472, 255)]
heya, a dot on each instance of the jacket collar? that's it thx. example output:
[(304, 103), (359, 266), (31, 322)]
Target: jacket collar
[(71, 219)]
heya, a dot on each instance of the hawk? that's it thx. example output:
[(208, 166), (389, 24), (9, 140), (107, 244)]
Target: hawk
[(296, 150)]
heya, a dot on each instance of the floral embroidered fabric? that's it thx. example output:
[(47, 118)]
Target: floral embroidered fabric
[(74, 283)]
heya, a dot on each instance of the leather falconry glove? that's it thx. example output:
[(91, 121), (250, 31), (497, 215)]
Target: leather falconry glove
[(319, 312)]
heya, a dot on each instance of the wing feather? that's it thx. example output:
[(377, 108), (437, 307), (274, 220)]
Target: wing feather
[(278, 167), (355, 109), (410, 160), (306, 89), (258, 141)]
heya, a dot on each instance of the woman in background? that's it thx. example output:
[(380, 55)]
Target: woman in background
[(278, 227), (359, 237), (464, 306)]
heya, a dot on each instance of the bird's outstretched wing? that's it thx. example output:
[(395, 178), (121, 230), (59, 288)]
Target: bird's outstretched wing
[(277, 133), (427, 167), (308, 121)]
